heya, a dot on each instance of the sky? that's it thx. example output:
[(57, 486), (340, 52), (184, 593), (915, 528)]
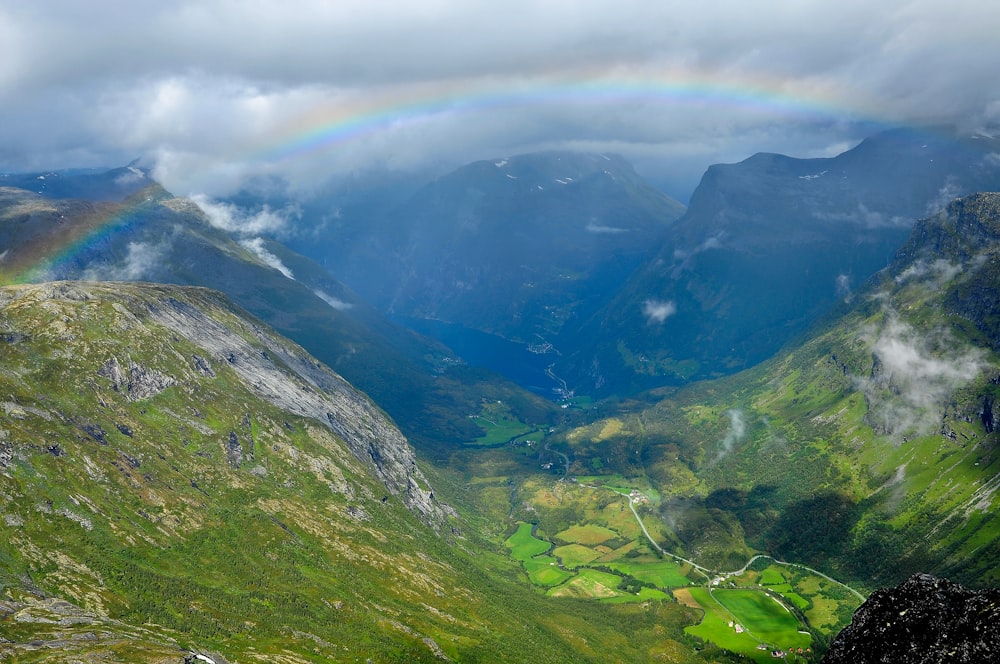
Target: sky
[(214, 93)]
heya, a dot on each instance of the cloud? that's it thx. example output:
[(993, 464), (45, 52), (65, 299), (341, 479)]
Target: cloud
[(862, 216), (683, 257), (735, 434), (234, 219), (657, 311), (843, 287), (216, 91), (939, 272), (914, 376), (339, 305), (946, 194), (256, 246), (604, 230), (141, 262)]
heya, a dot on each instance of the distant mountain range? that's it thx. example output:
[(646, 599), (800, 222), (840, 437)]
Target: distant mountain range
[(151, 235), (767, 247), (514, 249), (570, 264), (802, 364)]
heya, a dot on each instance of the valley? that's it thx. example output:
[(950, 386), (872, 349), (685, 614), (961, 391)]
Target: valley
[(180, 477)]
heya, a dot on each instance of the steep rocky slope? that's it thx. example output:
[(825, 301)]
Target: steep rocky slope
[(922, 621), (177, 483), (38, 318)]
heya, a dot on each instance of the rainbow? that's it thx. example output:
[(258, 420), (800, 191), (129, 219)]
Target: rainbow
[(353, 117), (68, 234), (348, 119)]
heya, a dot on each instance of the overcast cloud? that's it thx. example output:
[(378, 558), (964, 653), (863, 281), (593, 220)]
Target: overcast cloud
[(214, 91)]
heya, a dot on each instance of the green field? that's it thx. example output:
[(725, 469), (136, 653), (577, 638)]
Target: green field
[(764, 618), (545, 571), (715, 628), (587, 535), (771, 577), (524, 546), (662, 573), (644, 595), (576, 555), (589, 583)]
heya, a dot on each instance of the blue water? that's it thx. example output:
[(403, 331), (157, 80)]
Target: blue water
[(507, 358)]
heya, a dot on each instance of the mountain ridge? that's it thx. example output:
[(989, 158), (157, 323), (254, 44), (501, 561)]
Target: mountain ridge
[(766, 247)]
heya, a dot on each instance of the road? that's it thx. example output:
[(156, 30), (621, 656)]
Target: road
[(717, 576)]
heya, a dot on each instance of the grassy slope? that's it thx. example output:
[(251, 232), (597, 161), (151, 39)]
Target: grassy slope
[(138, 512), (860, 451)]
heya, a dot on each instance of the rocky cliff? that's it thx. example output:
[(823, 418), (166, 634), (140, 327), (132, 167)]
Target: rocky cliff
[(923, 620), (270, 367)]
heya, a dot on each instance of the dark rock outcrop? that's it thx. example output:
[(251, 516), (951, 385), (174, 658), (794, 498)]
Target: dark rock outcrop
[(925, 619)]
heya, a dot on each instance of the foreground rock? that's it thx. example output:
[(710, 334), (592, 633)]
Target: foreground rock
[(923, 620)]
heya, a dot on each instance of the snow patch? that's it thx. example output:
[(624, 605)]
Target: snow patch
[(501, 163)]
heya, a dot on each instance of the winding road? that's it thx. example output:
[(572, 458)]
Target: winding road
[(717, 576)]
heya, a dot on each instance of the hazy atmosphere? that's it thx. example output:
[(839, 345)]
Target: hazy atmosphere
[(214, 91), (566, 332)]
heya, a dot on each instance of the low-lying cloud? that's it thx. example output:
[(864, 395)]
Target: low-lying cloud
[(657, 311), (334, 302), (737, 431), (938, 272), (948, 192), (914, 376), (140, 264), (866, 218), (234, 219), (604, 230), (843, 287), (256, 246)]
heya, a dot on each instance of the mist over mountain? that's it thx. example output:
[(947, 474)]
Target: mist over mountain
[(607, 332), (766, 247), (154, 236), (92, 184), (862, 452), (516, 248)]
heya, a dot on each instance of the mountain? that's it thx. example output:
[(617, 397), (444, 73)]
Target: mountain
[(921, 621), (861, 454), (154, 236), (768, 246), (510, 249), (179, 483), (92, 184), (868, 449)]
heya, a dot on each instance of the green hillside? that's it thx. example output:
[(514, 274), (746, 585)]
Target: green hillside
[(863, 453), (175, 479), (868, 451)]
